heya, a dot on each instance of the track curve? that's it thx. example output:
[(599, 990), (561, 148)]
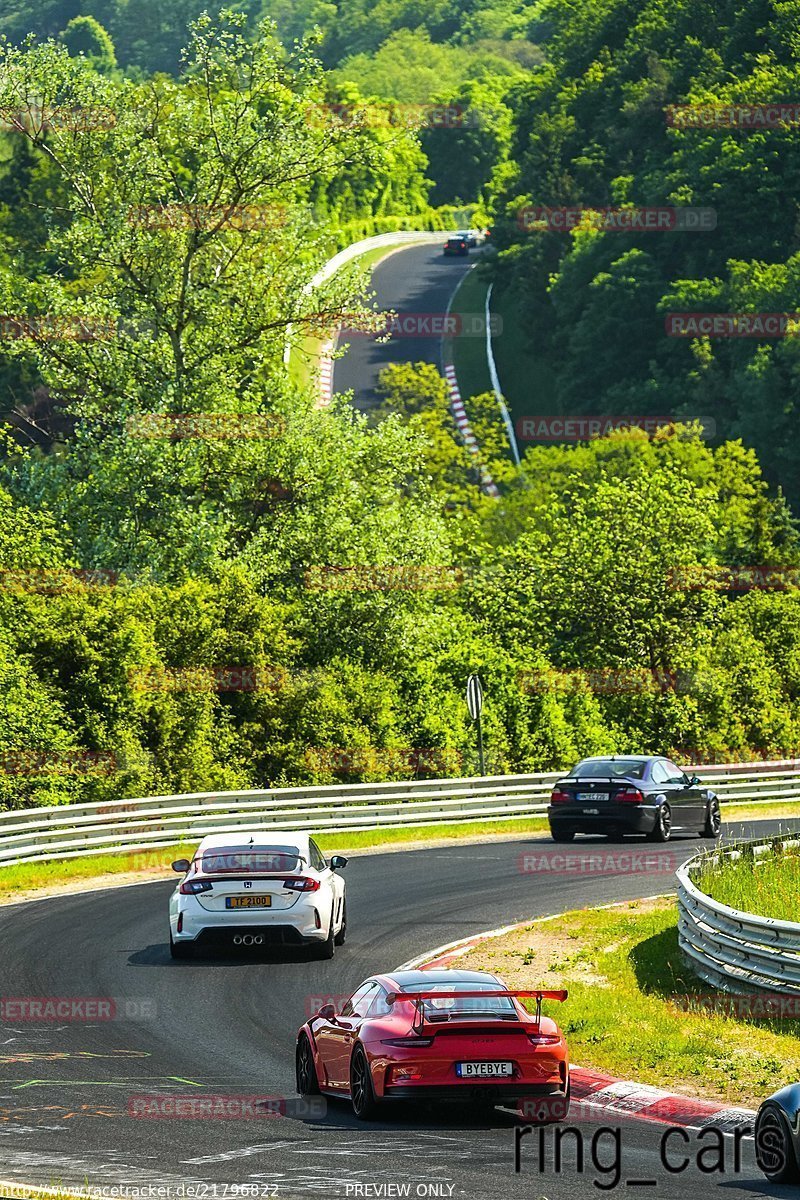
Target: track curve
[(415, 280), (226, 1026)]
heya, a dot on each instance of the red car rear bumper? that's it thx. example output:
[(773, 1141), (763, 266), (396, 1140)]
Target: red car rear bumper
[(497, 1092)]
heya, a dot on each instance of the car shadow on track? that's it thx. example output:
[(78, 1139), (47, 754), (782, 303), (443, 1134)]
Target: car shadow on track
[(757, 1187), (417, 1116), (158, 955)]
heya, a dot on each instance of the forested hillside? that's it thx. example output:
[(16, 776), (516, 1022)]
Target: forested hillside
[(207, 580), (593, 130)]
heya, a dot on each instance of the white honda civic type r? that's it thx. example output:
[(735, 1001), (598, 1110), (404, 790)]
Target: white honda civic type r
[(258, 888)]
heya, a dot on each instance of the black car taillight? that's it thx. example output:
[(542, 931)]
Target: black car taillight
[(302, 884), (630, 796), (193, 887), (559, 797)]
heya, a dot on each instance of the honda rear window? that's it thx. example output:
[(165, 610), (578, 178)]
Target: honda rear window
[(610, 768), (250, 859)]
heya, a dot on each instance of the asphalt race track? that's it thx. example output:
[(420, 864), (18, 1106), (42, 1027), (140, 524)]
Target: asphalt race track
[(416, 280), (226, 1026)]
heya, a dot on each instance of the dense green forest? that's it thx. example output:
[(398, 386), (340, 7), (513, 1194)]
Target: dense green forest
[(298, 594), (591, 130)]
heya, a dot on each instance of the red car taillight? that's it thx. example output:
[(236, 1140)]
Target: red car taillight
[(194, 886), (303, 884), (630, 796), (407, 1041), (404, 1074), (544, 1039), (559, 797)]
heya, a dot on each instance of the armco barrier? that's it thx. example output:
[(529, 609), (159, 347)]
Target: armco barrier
[(737, 951), (400, 238), (69, 831)]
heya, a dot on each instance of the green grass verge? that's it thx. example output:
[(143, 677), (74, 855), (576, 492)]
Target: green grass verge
[(29, 877), (753, 812), (468, 354), (627, 1011), (767, 887), (527, 383)]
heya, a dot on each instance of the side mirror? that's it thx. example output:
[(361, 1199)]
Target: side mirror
[(694, 780), (181, 866), (337, 862), (327, 1012)]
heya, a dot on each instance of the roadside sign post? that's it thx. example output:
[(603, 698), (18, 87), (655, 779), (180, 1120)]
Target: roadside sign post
[(475, 706)]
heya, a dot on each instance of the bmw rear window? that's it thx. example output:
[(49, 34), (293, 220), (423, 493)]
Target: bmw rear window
[(610, 768), (250, 859)]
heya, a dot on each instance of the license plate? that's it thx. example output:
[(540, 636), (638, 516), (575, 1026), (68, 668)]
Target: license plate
[(591, 812), (248, 901), (484, 1070), (591, 797)]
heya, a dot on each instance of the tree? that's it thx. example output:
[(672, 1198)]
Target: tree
[(86, 37)]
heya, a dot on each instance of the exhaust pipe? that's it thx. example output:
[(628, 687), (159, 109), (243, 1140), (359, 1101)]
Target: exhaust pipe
[(237, 941), (258, 941), (248, 941)]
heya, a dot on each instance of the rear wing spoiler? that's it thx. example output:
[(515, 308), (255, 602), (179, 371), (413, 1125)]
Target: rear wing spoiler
[(538, 994)]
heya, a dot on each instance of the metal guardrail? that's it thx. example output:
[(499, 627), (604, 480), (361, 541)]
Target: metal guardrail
[(737, 951), (74, 830)]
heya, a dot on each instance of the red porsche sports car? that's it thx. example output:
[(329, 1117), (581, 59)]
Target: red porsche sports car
[(435, 1035)]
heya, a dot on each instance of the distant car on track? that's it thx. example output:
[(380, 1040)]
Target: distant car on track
[(777, 1135), (258, 888), (456, 245), (471, 237), (632, 793), (435, 1035)]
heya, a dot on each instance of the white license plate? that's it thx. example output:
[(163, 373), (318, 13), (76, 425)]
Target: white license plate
[(484, 1070), (591, 797)]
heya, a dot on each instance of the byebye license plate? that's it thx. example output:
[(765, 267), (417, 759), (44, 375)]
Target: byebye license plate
[(248, 901), (591, 797), (484, 1070)]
